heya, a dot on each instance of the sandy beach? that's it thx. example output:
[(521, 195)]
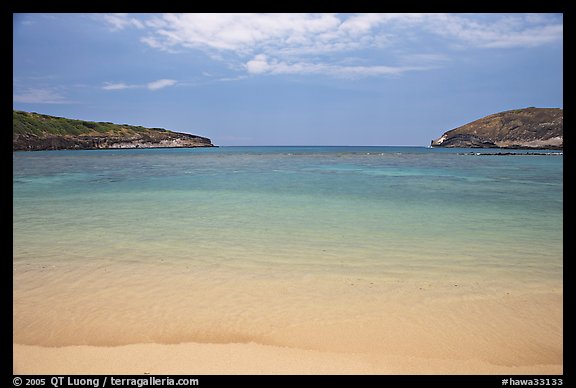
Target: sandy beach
[(261, 261), (515, 335), (193, 358), (288, 194)]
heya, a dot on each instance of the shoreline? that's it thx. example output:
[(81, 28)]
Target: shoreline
[(388, 328), (248, 358), (476, 337), (262, 263)]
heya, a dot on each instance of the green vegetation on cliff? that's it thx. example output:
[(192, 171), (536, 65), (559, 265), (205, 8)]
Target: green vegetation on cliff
[(40, 125), (527, 128), (34, 131)]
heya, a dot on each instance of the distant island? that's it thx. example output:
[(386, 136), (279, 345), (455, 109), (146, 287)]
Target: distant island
[(529, 128), (35, 132)]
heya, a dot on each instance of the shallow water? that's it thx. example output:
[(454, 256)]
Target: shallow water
[(237, 244)]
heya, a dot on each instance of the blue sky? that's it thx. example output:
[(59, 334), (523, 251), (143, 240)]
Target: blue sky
[(288, 79)]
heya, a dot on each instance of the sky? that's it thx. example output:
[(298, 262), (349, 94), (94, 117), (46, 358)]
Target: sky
[(288, 79)]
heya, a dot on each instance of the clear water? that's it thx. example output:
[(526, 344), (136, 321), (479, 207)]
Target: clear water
[(212, 241)]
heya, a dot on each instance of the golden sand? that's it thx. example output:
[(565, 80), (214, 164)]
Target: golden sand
[(508, 335)]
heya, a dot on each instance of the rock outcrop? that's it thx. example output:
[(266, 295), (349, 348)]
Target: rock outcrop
[(35, 132), (528, 128)]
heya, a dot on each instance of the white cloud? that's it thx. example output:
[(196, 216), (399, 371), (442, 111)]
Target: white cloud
[(315, 43), (246, 33), (116, 86), (154, 85), (363, 71), (40, 96), (261, 65), (120, 21), (258, 65), (506, 31), (366, 23), (528, 38), (161, 83)]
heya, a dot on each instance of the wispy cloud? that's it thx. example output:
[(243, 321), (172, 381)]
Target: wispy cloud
[(320, 43), (160, 84), (154, 85), (261, 65), (40, 96), (506, 31), (116, 86), (119, 21)]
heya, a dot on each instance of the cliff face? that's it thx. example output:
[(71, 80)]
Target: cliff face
[(32, 142), (522, 128), (34, 132)]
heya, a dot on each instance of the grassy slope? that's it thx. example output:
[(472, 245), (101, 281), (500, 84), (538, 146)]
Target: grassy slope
[(44, 125)]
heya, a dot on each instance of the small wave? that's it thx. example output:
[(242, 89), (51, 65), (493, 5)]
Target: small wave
[(511, 153)]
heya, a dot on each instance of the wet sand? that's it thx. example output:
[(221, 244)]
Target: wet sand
[(508, 335), (194, 359)]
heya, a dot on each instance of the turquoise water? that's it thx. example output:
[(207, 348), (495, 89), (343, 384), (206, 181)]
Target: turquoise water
[(281, 215)]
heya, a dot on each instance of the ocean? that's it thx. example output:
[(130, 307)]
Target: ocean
[(264, 244)]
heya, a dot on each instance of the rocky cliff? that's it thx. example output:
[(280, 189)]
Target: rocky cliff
[(521, 128), (33, 132)]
